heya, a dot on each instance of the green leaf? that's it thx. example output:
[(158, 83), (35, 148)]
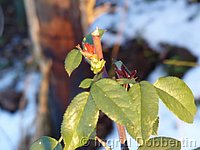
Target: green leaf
[(88, 38), (145, 104), (72, 60), (155, 127), (161, 143), (138, 112), (116, 103), (126, 81), (176, 95), (86, 83), (79, 121), (46, 143), (113, 100)]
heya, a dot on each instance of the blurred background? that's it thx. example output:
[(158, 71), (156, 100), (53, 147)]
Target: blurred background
[(155, 37)]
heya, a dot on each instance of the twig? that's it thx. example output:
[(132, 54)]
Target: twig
[(34, 28), (180, 63), (42, 127), (89, 12), (97, 43), (122, 133), (119, 35)]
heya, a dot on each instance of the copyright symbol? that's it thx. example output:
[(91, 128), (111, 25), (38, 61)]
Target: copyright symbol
[(85, 141)]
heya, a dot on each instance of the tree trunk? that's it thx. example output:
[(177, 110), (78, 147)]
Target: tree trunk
[(60, 31)]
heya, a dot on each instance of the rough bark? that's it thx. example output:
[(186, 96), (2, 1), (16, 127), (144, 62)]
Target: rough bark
[(56, 29), (60, 31)]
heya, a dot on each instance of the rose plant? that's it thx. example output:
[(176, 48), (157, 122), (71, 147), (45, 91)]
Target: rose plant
[(133, 105)]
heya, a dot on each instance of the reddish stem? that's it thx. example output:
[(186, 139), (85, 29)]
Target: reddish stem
[(122, 133), (99, 52), (97, 45)]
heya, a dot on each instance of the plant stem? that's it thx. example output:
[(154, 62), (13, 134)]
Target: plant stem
[(97, 44), (99, 52), (122, 133)]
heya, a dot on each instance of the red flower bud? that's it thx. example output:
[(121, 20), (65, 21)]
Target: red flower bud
[(89, 48)]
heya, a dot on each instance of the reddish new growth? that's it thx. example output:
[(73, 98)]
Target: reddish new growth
[(89, 53), (123, 72), (88, 50)]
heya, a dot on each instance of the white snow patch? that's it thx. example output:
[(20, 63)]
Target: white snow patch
[(192, 80), (7, 79), (15, 126), (159, 21)]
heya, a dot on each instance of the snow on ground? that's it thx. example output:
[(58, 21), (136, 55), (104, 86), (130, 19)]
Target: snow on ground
[(172, 22), (7, 79), (14, 127), (193, 81), (160, 21)]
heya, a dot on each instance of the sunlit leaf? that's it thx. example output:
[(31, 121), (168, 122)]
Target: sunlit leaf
[(176, 95), (113, 100), (137, 111), (155, 127), (79, 121), (86, 83), (145, 103), (72, 60), (46, 143)]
